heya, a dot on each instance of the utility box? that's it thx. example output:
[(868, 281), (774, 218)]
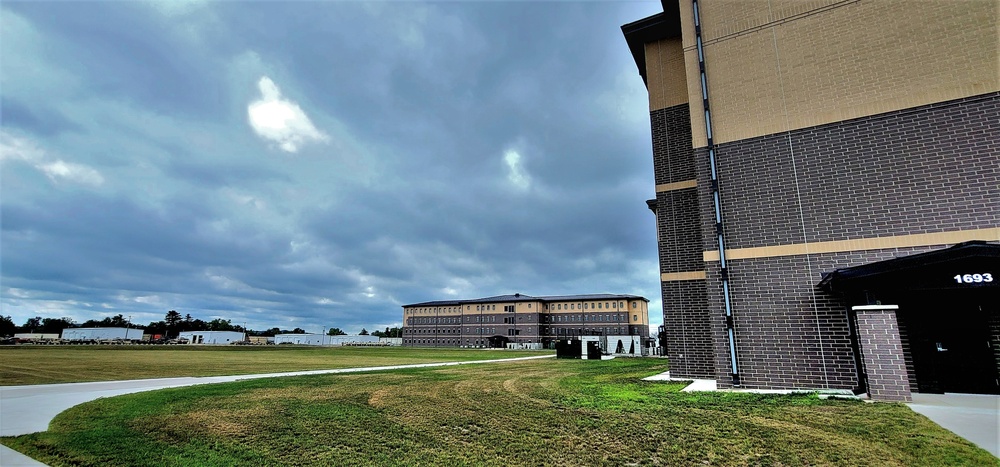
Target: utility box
[(585, 348)]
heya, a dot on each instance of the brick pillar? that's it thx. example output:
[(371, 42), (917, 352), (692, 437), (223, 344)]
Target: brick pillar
[(882, 352)]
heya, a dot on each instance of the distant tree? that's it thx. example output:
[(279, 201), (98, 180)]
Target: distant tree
[(389, 332), (118, 321), (297, 331), (7, 326), (32, 324), (196, 325), (56, 325), (271, 332), (364, 332), (157, 327), (336, 332), (173, 318), (219, 324)]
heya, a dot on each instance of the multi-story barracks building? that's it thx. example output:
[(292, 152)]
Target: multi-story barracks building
[(827, 179), (522, 319)]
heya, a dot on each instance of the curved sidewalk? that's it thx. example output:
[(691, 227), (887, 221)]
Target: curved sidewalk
[(30, 409)]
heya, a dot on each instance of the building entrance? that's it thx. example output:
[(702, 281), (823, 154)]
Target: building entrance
[(951, 341), (946, 319)]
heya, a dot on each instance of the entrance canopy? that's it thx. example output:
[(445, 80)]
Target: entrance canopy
[(968, 265)]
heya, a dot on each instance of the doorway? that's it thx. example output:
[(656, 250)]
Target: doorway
[(952, 340)]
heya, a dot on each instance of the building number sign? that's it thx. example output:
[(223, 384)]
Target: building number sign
[(973, 278)]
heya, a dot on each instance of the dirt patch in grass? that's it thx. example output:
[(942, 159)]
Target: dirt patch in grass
[(545, 412)]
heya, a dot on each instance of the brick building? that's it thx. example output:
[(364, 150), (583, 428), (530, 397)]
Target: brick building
[(827, 181), (523, 319)]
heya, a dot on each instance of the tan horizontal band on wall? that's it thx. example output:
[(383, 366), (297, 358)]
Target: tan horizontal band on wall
[(682, 276), (676, 186), (861, 244)]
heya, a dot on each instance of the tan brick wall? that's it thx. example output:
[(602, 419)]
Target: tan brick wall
[(665, 74), (780, 65)]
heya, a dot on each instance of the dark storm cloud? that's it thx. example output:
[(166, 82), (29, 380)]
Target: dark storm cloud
[(465, 149), (36, 118), (126, 50), (209, 174)]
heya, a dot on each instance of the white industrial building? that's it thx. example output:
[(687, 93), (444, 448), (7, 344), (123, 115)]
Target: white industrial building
[(212, 337), (319, 339), (91, 334), (36, 336)]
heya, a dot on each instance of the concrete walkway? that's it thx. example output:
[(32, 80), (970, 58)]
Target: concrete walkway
[(975, 417), (30, 409)]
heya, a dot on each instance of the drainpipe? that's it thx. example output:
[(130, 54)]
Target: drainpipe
[(717, 200)]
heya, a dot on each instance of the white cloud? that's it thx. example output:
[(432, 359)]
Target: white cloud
[(60, 170), (14, 148), (516, 173), (281, 121)]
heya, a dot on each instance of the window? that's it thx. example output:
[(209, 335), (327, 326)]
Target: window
[(634, 304), (572, 306), (559, 306), (598, 306), (635, 317)]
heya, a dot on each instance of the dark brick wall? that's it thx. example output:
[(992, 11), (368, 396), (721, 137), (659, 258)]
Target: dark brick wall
[(928, 169), (671, 130), (685, 313), (882, 354), (532, 327), (688, 329), (679, 231)]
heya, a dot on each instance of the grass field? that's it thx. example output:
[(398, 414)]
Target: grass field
[(540, 412), (67, 364)]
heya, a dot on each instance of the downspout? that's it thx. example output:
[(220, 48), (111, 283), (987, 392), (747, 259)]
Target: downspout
[(717, 200)]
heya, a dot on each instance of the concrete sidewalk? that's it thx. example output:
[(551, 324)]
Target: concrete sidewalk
[(30, 409), (975, 417)]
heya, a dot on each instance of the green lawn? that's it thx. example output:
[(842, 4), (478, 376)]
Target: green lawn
[(538, 412), (28, 364)]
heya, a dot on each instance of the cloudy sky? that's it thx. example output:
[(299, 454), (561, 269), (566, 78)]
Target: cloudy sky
[(318, 164)]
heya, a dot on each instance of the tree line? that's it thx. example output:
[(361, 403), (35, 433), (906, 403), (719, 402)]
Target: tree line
[(172, 324)]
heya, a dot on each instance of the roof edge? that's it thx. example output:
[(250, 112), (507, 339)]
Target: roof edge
[(650, 29)]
